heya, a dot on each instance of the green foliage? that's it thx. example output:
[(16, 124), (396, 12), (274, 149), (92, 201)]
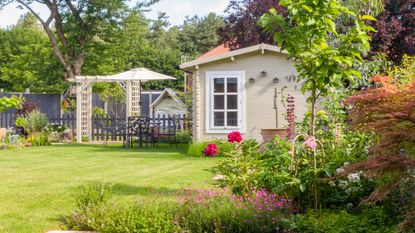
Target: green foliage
[(9, 102), (96, 212), (217, 211), (196, 149), (38, 139), (92, 195), (198, 35), (251, 166), (97, 111), (368, 219), (184, 137), (27, 59), (20, 122), (35, 121)]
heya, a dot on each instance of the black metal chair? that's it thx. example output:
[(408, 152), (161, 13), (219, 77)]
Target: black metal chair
[(140, 128), (169, 131), (108, 129)]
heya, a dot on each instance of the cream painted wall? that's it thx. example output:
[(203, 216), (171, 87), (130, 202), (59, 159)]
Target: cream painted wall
[(259, 95)]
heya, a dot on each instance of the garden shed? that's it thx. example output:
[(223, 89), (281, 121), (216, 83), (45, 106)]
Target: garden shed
[(235, 90), (168, 103)]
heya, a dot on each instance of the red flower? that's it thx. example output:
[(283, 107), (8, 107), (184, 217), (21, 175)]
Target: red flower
[(235, 136), (210, 150)]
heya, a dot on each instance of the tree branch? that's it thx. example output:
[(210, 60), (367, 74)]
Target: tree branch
[(49, 32)]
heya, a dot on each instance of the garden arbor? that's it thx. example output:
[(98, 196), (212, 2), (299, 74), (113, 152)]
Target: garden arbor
[(130, 81)]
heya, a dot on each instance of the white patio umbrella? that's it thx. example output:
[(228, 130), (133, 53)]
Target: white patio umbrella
[(140, 74)]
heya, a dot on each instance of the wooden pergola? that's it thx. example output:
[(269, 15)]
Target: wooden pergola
[(130, 81)]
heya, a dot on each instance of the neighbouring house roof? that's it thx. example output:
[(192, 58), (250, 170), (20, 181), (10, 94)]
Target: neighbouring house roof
[(167, 92), (221, 52)]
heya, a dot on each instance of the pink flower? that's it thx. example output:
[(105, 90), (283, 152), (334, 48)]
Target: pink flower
[(210, 150), (234, 136), (311, 142)]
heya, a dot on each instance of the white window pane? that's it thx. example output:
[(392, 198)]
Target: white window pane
[(219, 102), (232, 119), (232, 103), (219, 119), (219, 85), (232, 84)]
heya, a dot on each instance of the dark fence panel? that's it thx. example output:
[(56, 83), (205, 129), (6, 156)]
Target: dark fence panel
[(7, 119), (48, 103)]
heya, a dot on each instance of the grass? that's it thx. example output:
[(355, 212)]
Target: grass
[(38, 185)]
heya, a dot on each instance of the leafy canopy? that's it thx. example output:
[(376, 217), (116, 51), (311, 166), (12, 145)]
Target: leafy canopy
[(324, 58), (9, 102)]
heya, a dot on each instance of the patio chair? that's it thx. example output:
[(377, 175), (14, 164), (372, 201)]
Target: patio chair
[(169, 131), (141, 129), (108, 129)]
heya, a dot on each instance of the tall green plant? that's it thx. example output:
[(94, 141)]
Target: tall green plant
[(324, 58)]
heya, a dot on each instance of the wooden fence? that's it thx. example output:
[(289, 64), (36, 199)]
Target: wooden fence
[(104, 128), (107, 128)]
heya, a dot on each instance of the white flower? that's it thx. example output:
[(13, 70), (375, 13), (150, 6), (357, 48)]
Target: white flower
[(218, 177), (354, 177), (339, 170), (348, 151), (343, 184), (332, 184)]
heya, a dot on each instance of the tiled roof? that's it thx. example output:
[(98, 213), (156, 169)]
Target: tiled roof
[(216, 51)]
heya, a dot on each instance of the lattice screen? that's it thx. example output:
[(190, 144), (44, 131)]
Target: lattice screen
[(86, 109), (135, 98)]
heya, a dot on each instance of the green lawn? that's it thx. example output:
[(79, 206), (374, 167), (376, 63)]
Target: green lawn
[(38, 185)]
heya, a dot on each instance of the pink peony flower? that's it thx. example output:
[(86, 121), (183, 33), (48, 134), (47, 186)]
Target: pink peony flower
[(235, 136), (210, 150), (311, 143)]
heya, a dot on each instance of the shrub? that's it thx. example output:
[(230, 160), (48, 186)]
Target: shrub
[(218, 211), (224, 148), (35, 121), (96, 212), (54, 127), (184, 137), (26, 108), (9, 102), (38, 139), (251, 166), (373, 219)]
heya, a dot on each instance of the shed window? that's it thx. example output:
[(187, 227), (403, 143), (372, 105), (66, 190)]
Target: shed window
[(224, 94)]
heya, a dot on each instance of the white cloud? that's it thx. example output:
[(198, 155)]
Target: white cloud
[(175, 9)]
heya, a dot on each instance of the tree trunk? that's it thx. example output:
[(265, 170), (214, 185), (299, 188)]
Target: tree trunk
[(312, 134)]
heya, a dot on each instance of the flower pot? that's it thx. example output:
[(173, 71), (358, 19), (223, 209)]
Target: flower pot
[(269, 134)]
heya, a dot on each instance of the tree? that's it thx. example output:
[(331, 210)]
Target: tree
[(241, 28), (26, 59), (198, 35), (305, 35), (323, 57), (395, 27), (388, 110), (72, 25)]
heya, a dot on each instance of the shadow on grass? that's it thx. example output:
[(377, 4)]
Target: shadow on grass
[(122, 189), (163, 148)]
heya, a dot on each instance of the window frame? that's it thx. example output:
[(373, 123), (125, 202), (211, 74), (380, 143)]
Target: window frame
[(209, 108)]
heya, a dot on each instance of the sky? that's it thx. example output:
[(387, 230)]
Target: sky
[(175, 9)]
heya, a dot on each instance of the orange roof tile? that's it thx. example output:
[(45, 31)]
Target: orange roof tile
[(216, 51)]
